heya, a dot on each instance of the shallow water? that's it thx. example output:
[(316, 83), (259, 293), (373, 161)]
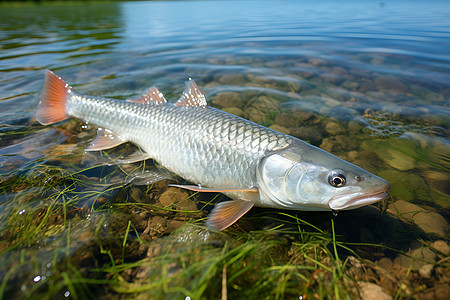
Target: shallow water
[(367, 82)]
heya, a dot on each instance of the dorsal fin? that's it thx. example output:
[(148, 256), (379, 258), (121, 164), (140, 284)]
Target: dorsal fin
[(152, 96), (192, 96)]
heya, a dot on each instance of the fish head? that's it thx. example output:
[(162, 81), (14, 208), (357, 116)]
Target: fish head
[(305, 177)]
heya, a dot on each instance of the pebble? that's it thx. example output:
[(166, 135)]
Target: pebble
[(442, 293), (235, 111), (430, 222), (255, 115), (398, 160), (438, 180), (331, 78), (307, 134), (232, 79), (228, 99), (371, 291), (416, 258), (279, 128), (285, 120), (137, 194), (172, 196), (390, 84), (385, 263), (317, 61), (355, 127), (426, 270), (441, 246), (338, 143), (334, 128)]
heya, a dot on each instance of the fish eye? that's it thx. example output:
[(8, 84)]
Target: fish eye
[(336, 179)]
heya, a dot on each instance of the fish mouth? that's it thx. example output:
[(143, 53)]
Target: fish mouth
[(356, 200)]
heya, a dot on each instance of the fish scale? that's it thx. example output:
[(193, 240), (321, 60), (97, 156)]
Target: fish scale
[(219, 156), (218, 151)]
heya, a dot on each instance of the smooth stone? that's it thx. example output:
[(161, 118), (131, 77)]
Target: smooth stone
[(371, 291), (442, 293), (334, 128), (172, 196), (279, 128), (232, 79), (438, 180), (235, 111), (441, 246), (385, 263), (415, 258), (228, 99), (137, 195), (285, 120), (338, 142), (350, 85), (317, 61), (255, 115), (390, 84), (430, 222), (398, 160), (355, 127), (307, 134), (331, 78), (426, 270)]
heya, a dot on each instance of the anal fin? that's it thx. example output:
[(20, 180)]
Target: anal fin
[(105, 139), (226, 213)]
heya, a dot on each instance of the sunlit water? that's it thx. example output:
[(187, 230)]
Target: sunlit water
[(375, 77)]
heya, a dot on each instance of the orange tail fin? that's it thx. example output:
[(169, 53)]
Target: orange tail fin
[(52, 107)]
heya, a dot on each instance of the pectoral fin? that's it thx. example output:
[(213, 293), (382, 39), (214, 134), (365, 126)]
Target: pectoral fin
[(226, 213), (105, 139)]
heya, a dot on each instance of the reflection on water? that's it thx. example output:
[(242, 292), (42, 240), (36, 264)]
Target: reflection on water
[(367, 82)]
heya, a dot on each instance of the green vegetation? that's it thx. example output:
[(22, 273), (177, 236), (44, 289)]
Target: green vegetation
[(88, 232)]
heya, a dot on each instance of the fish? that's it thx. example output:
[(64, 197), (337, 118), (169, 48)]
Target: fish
[(217, 152)]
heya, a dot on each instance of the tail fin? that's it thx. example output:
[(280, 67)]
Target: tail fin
[(52, 107)]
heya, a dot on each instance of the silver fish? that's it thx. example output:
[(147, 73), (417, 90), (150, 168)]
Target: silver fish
[(217, 151)]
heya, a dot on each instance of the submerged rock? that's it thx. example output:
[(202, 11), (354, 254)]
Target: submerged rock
[(228, 99), (441, 246), (398, 160), (371, 291), (172, 196), (334, 128), (428, 221), (235, 111), (279, 128), (390, 84), (416, 258), (285, 120), (307, 134), (426, 270)]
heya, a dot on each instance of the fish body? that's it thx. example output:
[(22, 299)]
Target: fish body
[(218, 151)]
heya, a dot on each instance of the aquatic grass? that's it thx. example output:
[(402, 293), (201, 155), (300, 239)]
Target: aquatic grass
[(85, 214)]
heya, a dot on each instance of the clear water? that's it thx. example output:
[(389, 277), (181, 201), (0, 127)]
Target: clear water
[(382, 68)]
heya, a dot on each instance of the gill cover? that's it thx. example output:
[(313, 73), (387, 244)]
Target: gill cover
[(279, 180)]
